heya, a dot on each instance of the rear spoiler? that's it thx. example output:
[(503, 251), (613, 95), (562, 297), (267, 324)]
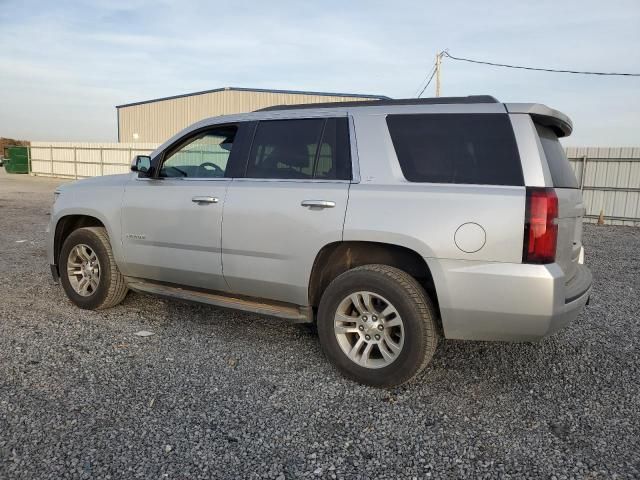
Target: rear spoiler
[(545, 116)]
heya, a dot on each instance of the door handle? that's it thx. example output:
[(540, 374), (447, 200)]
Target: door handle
[(204, 199), (318, 203)]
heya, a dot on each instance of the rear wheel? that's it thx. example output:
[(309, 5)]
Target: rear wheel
[(377, 325), (88, 271)]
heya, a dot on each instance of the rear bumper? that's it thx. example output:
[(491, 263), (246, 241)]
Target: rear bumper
[(504, 301)]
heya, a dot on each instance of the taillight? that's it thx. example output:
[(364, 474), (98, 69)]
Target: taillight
[(540, 227)]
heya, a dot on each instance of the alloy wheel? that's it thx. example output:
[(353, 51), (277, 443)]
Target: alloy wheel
[(369, 329), (83, 270)]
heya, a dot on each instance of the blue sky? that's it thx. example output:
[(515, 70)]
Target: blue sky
[(64, 65)]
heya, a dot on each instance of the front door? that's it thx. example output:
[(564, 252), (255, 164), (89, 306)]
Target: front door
[(290, 203), (171, 224)]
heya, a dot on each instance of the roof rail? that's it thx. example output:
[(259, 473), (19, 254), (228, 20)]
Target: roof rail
[(382, 103)]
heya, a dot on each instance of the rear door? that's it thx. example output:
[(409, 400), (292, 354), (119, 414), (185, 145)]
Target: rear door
[(570, 205), (290, 202)]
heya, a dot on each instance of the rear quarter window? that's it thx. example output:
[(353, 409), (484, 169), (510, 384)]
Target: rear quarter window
[(561, 172), (456, 148)]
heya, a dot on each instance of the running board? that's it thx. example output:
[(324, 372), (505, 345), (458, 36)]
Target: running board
[(287, 311)]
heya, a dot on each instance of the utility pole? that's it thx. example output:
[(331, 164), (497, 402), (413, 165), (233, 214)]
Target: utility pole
[(438, 64)]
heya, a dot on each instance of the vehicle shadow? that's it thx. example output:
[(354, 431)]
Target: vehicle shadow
[(454, 359)]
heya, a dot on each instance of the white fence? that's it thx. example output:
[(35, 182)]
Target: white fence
[(79, 160), (609, 177)]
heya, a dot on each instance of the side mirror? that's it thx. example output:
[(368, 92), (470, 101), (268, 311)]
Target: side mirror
[(142, 165)]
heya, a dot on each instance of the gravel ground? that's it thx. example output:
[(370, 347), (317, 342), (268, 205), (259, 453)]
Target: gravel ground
[(219, 394)]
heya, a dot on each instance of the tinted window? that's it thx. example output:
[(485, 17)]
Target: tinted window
[(559, 166), (300, 149), (456, 148), (202, 156), (334, 156)]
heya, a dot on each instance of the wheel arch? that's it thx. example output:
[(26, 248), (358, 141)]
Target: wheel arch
[(68, 224), (338, 257)]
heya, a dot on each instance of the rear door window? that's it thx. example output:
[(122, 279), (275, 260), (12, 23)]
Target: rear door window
[(456, 148), (561, 172), (305, 149)]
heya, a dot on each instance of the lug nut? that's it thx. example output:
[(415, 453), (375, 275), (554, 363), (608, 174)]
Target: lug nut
[(364, 317), (368, 337), (374, 318), (361, 327), (380, 327), (377, 337)]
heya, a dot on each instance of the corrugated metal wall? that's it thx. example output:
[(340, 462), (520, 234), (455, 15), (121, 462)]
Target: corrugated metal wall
[(158, 121), (77, 160), (610, 180)]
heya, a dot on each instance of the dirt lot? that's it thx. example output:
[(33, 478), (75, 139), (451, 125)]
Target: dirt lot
[(222, 394)]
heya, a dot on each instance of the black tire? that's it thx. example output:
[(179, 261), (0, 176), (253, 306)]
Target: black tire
[(112, 288), (411, 302)]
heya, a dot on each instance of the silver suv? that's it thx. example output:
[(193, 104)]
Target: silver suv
[(389, 223)]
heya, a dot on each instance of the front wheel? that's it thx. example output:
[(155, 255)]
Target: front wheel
[(377, 325), (88, 271)]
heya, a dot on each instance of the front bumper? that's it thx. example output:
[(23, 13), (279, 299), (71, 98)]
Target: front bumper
[(50, 253), (504, 301), (54, 273)]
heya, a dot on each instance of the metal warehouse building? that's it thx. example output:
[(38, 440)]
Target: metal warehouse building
[(156, 120)]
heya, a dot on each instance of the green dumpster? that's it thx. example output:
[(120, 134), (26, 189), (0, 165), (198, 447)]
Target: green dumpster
[(17, 161)]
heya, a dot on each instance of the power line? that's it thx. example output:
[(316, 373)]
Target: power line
[(428, 82), (427, 76), (446, 54)]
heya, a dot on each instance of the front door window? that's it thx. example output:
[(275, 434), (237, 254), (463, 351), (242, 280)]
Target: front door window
[(203, 156)]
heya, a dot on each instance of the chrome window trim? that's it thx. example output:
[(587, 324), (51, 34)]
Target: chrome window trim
[(196, 179), (287, 180), (241, 179), (184, 179)]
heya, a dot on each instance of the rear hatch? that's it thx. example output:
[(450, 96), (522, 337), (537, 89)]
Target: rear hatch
[(570, 205)]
